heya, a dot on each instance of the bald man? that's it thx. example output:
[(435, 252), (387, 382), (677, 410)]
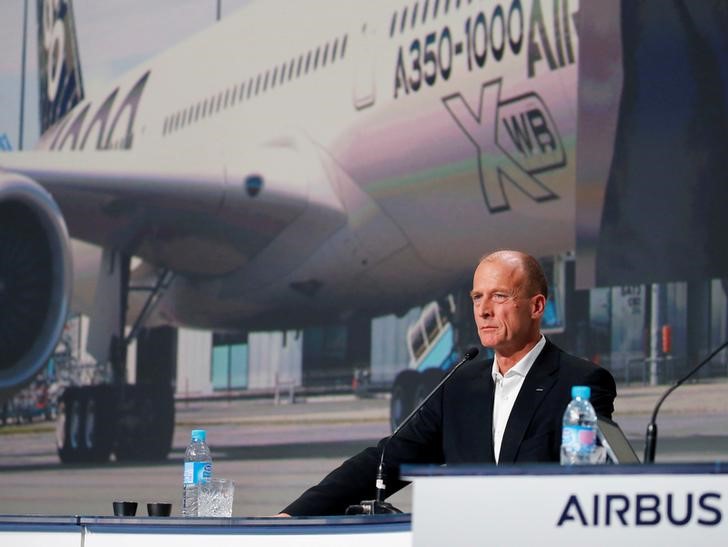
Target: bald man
[(502, 410)]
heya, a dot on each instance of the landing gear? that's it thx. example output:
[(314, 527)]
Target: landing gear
[(135, 422), (85, 426)]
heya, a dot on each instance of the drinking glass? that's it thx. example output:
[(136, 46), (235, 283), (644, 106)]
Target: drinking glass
[(215, 498)]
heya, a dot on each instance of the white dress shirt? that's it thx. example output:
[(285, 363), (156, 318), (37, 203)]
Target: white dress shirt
[(506, 390)]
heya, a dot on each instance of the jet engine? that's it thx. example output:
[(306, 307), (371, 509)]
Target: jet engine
[(35, 279)]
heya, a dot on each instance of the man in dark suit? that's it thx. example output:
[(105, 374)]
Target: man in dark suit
[(505, 410)]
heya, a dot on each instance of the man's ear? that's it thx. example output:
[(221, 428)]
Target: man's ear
[(538, 306)]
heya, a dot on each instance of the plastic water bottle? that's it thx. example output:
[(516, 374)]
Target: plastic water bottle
[(198, 469), (579, 432)]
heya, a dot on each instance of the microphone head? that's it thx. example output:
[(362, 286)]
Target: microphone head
[(471, 353)]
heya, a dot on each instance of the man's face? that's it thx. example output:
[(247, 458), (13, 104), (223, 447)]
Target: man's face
[(506, 316)]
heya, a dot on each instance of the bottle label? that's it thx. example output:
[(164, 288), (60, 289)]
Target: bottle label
[(579, 438), (197, 472)]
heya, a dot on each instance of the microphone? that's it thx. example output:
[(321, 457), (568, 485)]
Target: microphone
[(651, 434), (377, 506)]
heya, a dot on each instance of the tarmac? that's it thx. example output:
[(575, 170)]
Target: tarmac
[(705, 397), (692, 421), (710, 398), (632, 401), (274, 452)]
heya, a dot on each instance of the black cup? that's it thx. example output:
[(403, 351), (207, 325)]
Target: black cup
[(125, 508), (158, 509)]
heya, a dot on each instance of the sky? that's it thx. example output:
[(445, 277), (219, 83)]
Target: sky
[(113, 36)]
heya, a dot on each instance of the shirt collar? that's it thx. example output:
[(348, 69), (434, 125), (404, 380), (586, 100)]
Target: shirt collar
[(522, 367)]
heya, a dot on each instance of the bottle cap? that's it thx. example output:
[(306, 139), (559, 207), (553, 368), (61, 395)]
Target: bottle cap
[(582, 392), (199, 435)]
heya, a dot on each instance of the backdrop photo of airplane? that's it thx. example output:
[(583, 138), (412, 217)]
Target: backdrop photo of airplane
[(294, 164)]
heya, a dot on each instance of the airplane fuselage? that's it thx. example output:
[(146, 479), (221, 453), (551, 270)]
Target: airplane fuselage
[(329, 158)]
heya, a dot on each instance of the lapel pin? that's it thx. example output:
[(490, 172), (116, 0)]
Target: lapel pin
[(539, 389)]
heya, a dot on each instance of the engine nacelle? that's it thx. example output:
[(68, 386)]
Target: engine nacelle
[(35, 279)]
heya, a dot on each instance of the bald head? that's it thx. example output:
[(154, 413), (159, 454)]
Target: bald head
[(534, 278)]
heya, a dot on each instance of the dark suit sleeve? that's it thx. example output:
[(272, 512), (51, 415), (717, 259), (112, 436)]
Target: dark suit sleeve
[(354, 481), (348, 484)]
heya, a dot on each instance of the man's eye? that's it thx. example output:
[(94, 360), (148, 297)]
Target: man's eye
[(500, 297)]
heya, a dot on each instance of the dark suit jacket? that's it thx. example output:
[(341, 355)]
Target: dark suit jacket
[(455, 427)]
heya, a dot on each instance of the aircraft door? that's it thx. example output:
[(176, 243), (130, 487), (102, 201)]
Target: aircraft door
[(364, 89)]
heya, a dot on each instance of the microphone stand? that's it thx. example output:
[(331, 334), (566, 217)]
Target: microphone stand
[(651, 434), (377, 506)]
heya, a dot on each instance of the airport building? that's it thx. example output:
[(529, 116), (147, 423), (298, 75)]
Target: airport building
[(611, 326)]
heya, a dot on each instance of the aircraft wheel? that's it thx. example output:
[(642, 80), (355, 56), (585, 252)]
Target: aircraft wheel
[(402, 400), (99, 422), (69, 426), (426, 382), (421, 392), (145, 423), (85, 424)]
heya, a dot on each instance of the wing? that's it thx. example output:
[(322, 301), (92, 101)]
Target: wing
[(193, 213)]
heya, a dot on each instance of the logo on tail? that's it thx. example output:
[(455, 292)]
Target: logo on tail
[(61, 87)]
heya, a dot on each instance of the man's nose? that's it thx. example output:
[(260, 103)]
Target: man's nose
[(483, 308)]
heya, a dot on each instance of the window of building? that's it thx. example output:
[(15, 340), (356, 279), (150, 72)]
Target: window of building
[(229, 368)]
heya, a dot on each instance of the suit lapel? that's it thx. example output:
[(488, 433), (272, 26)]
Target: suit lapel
[(536, 386)]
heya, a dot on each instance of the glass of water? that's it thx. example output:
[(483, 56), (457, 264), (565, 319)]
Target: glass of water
[(215, 498)]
